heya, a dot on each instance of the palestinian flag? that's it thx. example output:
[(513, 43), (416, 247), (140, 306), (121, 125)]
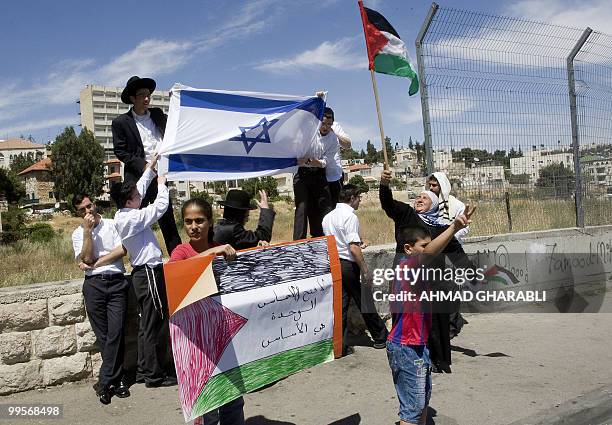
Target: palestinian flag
[(499, 274), (386, 51)]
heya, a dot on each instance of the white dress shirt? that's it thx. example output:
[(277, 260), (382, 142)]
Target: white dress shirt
[(343, 224), (134, 225), (105, 239), (149, 134), (333, 170)]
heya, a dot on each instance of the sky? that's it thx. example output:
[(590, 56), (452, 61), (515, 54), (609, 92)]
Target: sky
[(51, 50)]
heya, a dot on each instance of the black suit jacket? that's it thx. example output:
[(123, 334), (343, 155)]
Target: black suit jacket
[(128, 145)]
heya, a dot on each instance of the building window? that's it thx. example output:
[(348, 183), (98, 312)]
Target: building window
[(51, 195)]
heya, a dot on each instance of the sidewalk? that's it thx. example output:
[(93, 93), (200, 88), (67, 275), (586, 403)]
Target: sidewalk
[(506, 367)]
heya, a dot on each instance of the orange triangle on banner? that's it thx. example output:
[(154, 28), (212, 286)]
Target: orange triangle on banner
[(188, 281)]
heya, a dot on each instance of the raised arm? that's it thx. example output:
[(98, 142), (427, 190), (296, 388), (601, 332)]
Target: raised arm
[(343, 137), (394, 209)]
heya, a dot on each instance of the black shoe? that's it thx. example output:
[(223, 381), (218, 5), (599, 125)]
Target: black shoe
[(122, 390), (379, 345), (140, 380), (169, 381), (105, 394), (444, 367), (348, 351)]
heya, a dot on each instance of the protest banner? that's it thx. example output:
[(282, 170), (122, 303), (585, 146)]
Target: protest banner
[(238, 326)]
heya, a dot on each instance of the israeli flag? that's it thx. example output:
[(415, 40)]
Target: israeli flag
[(222, 135)]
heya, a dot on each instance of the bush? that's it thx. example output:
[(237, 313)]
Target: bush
[(13, 224), (41, 232)]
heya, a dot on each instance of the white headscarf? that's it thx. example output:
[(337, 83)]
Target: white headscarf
[(431, 216)]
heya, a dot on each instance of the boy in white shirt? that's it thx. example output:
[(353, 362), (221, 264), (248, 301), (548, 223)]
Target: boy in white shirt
[(134, 228)]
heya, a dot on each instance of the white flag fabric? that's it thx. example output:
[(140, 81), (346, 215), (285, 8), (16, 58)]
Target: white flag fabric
[(222, 135)]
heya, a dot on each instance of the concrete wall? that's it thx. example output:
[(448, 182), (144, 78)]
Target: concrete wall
[(46, 339)]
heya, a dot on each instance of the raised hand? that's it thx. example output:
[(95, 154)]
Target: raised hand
[(463, 220), (153, 162), (264, 200), (385, 177)]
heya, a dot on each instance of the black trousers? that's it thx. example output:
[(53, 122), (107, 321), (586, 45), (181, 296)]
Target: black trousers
[(231, 413), (312, 201), (166, 223), (153, 334), (362, 295), (334, 190), (106, 304)]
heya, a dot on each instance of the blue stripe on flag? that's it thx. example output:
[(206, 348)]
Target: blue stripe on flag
[(226, 164), (251, 105)]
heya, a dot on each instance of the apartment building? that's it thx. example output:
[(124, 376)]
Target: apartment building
[(99, 105)]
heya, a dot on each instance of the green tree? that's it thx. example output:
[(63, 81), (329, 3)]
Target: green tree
[(220, 188), (390, 153), (518, 178), (371, 155), (202, 195), (556, 180), (23, 161), (358, 181), (11, 188), (253, 186), (349, 154), (77, 163), (410, 143)]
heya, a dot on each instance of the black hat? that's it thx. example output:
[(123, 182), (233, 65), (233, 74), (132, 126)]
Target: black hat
[(238, 199), (133, 85)]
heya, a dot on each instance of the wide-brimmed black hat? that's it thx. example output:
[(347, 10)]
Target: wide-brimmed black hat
[(238, 199), (135, 83)]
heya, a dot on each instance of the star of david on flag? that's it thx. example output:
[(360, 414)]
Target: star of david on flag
[(222, 135), (263, 137)]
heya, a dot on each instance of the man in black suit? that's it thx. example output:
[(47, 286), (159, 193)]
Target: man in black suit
[(136, 135)]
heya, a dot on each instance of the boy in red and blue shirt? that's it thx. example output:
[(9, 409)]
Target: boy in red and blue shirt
[(411, 321)]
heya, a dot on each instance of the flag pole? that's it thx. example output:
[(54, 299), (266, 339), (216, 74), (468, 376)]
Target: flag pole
[(380, 124)]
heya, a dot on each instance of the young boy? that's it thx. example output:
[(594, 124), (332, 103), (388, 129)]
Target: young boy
[(134, 228), (411, 320)]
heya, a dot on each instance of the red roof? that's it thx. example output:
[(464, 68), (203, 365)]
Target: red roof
[(357, 167), (113, 175), (42, 165)]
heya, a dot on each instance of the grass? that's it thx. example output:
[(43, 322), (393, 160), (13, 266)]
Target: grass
[(26, 262)]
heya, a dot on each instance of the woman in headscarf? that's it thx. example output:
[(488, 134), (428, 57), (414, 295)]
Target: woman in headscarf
[(422, 214)]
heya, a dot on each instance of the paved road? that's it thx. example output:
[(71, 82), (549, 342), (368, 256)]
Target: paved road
[(507, 368)]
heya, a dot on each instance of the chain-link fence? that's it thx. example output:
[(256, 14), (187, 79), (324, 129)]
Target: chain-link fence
[(497, 115)]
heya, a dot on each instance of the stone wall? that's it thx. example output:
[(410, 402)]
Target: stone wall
[(46, 339)]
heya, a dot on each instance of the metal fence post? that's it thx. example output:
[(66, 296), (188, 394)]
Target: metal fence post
[(571, 81), (423, 87)]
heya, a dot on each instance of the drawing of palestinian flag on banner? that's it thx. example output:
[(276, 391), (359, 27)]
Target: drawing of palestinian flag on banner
[(501, 275), (238, 326), (387, 53)]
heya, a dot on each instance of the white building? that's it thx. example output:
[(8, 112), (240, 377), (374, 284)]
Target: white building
[(485, 176), (442, 160), (12, 148), (597, 170), (532, 162), (100, 105), (406, 159)]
